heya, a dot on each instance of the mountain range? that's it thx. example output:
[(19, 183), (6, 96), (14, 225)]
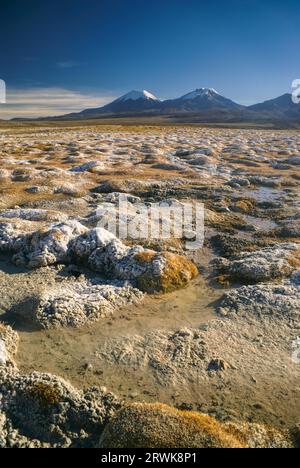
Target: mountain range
[(200, 105)]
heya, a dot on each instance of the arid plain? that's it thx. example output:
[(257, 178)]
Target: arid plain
[(93, 324)]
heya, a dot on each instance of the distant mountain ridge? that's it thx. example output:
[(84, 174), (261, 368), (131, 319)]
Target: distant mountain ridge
[(200, 99), (200, 105), (282, 107)]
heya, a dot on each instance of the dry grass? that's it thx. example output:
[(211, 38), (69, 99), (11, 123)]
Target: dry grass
[(143, 425), (145, 257), (294, 260), (178, 271), (47, 395), (245, 206)]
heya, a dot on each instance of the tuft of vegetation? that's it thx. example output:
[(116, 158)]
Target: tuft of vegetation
[(245, 206), (177, 272), (155, 425), (46, 394), (294, 260)]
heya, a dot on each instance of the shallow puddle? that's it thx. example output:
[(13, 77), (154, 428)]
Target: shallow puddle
[(72, 353), (264, 194), (262, 224)]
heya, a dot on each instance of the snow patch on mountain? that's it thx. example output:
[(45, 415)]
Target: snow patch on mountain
[(200, 93), (135, 95)]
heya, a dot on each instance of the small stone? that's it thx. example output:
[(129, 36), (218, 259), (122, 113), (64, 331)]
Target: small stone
[(218, 365), (88, 367)]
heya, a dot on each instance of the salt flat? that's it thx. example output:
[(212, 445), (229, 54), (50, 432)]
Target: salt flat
[(210, 329)]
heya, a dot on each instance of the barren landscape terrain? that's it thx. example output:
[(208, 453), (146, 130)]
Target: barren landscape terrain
[(90, 323)]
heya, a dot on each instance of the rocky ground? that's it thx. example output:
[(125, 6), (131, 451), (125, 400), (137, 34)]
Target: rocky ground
[(212, 330)]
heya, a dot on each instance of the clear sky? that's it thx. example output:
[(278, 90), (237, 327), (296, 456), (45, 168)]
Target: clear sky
[(62, 55)]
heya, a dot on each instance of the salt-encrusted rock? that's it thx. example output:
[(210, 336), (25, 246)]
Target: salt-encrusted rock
[(100, 250), (22, 175), (49, 246), (229, 246), (34, 215), (9, 341), (293, 160), (282, 301), (114, 197), (39, 189), (290, 229), (266, 264), (265, 181), (79, 303), (5, 174), (260, 436), (83, 246), (88, 166), (238, 182), (164, 271), (42, 410), (153, 272), (68, 188), (12, 236), (129, 186)]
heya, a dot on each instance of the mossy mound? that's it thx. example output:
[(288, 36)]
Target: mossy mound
[(176, 273), (144, 425)]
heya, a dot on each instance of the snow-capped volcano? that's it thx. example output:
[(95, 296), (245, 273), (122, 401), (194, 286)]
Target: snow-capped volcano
[(205, 102), (200, 99), (200, 93), (132, 102), (136, 95)]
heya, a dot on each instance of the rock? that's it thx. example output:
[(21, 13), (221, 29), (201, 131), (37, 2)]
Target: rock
[(88, 367), (50, 246), (88, 166), (67, 188), (264, 181), (153, 272), (291, 229), (42, 410), (3, 353), (38, 189), (266, 264), (34, 215), (71, 242), (293, 160), (5, 174), (260, 436), (229, 246), (75, 304), (282, 301), (9, 341), (238, 181), (218, 365)]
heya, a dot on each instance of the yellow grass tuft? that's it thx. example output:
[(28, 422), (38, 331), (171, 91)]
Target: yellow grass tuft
[(47, 395), (155, 425), (177, 272)]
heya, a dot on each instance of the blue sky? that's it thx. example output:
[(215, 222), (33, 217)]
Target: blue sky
[(57, 56)]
